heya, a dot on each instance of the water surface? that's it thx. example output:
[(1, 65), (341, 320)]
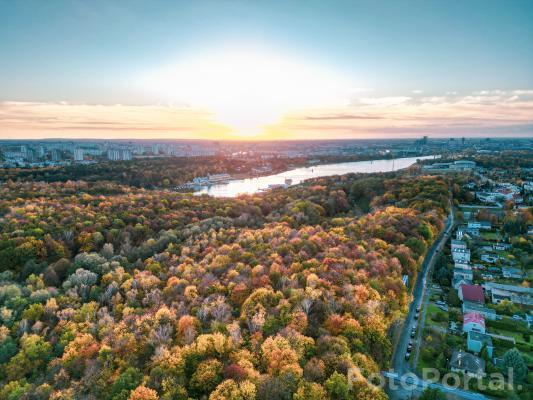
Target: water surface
[(253, 185)]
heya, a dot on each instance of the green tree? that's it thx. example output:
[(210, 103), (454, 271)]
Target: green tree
[(125, 383), (432, 394), (513, 359), (337, 387)]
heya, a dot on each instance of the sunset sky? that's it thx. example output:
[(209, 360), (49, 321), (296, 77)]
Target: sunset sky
[(265, 69)]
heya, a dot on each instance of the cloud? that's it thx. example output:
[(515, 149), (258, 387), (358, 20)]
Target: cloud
[(30, 119), (482, 113), (487, 112)]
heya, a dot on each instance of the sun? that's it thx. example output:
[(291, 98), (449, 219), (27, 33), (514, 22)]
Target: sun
[(248, 89)]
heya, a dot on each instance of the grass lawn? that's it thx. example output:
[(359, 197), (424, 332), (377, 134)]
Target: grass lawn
[(431, 311), (516, 335), (491, 236)]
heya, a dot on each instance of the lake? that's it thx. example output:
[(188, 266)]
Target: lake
[(253, 185)]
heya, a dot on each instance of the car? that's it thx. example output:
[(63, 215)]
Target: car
[(407, 356), (409, 347), (416, 316), (444, 308), (517, 317), (440, 303), (418, 309), (411, 342), (413, 332)]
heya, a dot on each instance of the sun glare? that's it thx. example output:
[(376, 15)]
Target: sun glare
[(247, 90)]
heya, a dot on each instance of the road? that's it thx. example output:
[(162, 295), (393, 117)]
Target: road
[(399, 364), (410, 384)]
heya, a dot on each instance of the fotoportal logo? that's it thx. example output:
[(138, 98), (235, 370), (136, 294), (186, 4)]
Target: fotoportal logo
[(432, 377)]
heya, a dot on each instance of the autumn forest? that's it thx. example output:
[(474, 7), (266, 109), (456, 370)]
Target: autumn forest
[(111, 291)]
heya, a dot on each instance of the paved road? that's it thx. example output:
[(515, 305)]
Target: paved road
[(410, 384), (399, 365)]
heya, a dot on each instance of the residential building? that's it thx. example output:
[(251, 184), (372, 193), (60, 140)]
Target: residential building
[(488, 258), (476, 341), (502, 246), (512, 273), (78, 154), (113, 154), (463, 273), (472, 293), (484, 225), (488, 313), (465, 230), (515, 294), (461, 255), (473, 321), (457, 281), (467, 363), (458, 244)]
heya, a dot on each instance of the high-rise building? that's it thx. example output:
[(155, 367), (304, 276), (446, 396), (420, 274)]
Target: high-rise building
[(78, 154), (113, 154), (56, 155), (126, 154), (119, 154), (41, 151)]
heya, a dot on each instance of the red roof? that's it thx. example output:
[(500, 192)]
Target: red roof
[(473, 293), (474, 318)]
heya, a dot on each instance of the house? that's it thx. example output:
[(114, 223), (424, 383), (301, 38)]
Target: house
[(512, 273), (473, 321), (464, 273), (488, 258), (458, 244), (472, 293), (502, 246), (461, 255), (464, 230), (462, 265), (467, 364), (476, 340), (457, 281), (484, 225), (515, 294), (488, 197), (529, 320), (487, 277), (488, 313)]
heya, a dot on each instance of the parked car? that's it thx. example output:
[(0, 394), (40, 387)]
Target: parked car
[(517, 317), (440, 303), (418, 309), (416, 315), (444, 308), (409, 347), (407, 356)]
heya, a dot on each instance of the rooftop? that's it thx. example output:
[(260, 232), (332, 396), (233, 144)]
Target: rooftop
[(473, 293)]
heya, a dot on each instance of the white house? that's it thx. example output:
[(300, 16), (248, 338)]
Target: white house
[(479, 225), (461, 255), (463, 273)]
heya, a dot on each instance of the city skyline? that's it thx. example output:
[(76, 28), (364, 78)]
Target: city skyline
[(266, 70)]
